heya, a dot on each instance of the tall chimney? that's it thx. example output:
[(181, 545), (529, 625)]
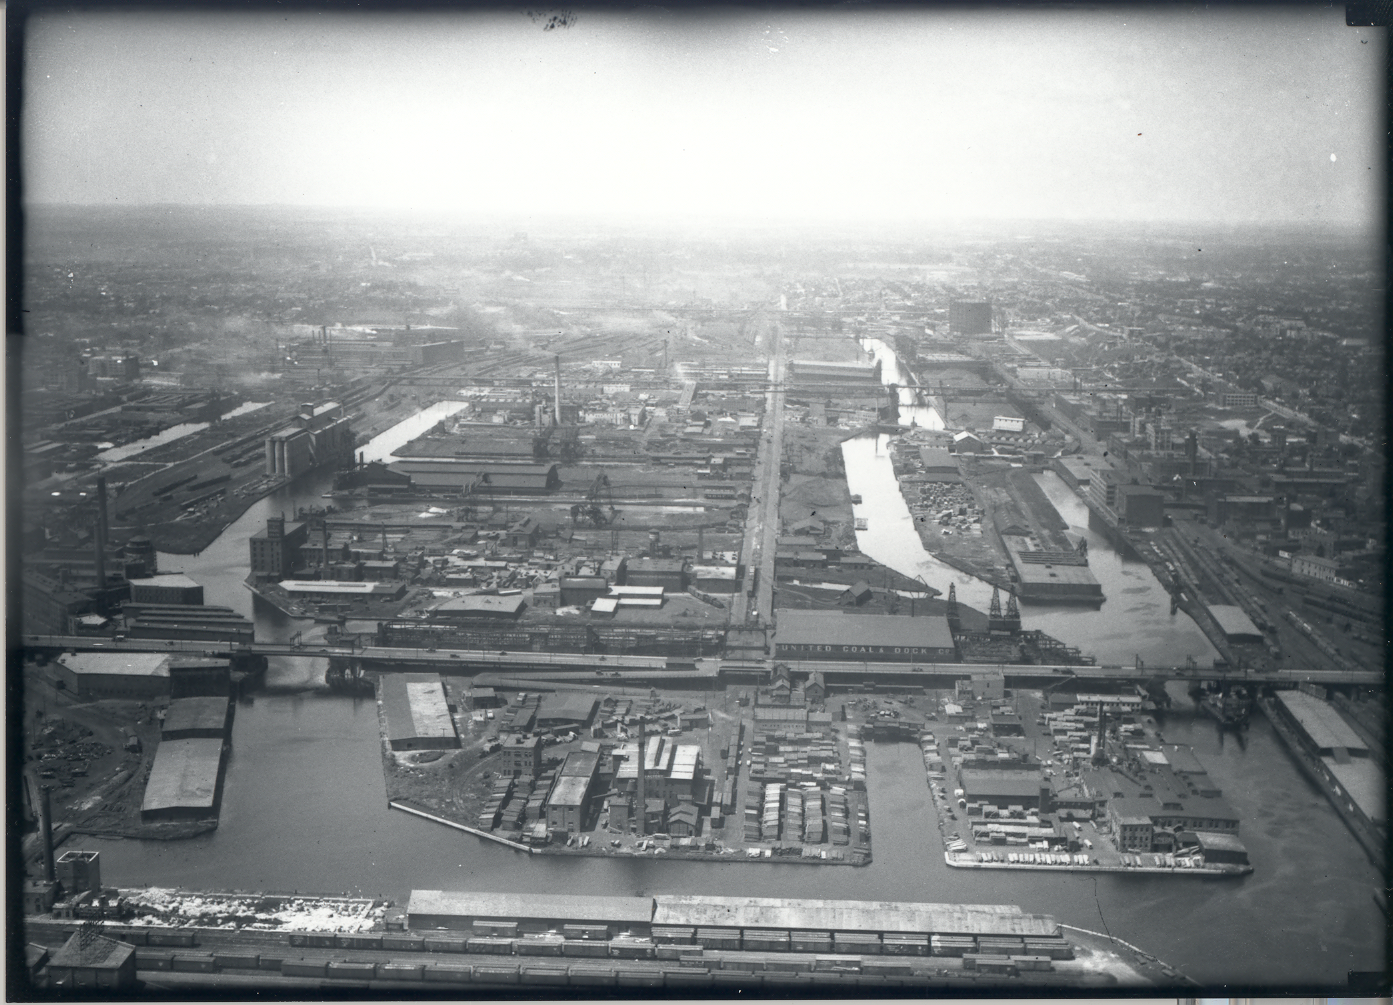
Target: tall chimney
[(556, 419), (324, 529), (701, 547), (46, 824), (642, 797)]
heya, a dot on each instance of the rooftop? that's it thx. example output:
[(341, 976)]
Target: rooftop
[(1321, 722), (1233, 620), (129, 664), (848, 915), (415, 706), (481, 604), (531, 906), (83, 950), (196, 713), (184, 775), (167, 579)]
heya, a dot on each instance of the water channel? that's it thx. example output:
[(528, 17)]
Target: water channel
[(305, 809)]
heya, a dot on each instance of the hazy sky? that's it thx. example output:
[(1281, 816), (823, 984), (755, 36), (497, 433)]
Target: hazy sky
[(1254, 114)]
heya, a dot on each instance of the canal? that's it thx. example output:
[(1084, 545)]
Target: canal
[(305, 809)]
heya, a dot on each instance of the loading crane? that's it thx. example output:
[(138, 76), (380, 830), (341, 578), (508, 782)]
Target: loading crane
[(598, 508)]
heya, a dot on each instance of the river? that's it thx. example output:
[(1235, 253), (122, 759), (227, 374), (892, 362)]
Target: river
[(305, 809)]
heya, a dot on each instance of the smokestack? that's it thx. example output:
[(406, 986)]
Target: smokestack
[(556, 419), (324, 528), (46, 823), (701, 547), (642, 797)]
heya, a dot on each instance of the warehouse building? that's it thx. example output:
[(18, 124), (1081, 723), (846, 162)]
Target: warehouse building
[(179, 621), (275, 550), (870, 637), (566, 710), (170, 588), (188, 718), (418, 716), (970, 317), (802, 371), (570, 794), (185, 780), (1237, 627), (331, 589), (521, 755), (669, 573), (1004, 788), (317, 436), (91, 962), (93, 676), (496, 475), (1344, 756), (479, 607), (848, 916)]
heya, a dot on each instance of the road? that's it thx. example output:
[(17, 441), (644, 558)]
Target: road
[(762, 520)]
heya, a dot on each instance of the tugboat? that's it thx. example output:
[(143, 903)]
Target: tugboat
[(1230, 706)]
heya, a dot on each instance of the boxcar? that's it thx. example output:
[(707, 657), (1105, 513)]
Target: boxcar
[(304, 968), (496, 973), (169, 938), (444, 945), (449, 973), (409, 943), (194, 963), (401, 971), (147, 960), (360, 941), (355, 969), (236, 961), (533, 974)]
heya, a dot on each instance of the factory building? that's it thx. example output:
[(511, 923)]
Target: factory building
[(418, 717), (822, 635), (315, 437), (185, 780), (566, 805), (198, 718), (669, 573), (170, 588), (275, 550), (970, 317), (672, 771)]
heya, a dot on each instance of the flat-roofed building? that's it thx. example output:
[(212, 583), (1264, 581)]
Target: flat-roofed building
[(330, 590), (1237, 627), (418, 716), (521, 755), (207, 717), (870, 637), (169, 588), (479, 607), (1075, 472), (532, 912), (92, 676), (1003, 788), (185, 780), (275, 550), (669, 573), (566, 805), (842, 916)]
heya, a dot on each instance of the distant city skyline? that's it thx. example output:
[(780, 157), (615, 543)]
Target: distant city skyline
[(1230, 116)]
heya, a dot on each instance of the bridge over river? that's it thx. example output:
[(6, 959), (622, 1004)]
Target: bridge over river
[(561, 666)]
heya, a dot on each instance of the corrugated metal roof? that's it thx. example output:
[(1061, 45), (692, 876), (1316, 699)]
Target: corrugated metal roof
[(531, 906), (184, 774), (849, 915), (1321, 722)]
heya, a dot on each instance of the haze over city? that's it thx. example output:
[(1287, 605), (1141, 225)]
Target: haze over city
[(1169, 113)]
